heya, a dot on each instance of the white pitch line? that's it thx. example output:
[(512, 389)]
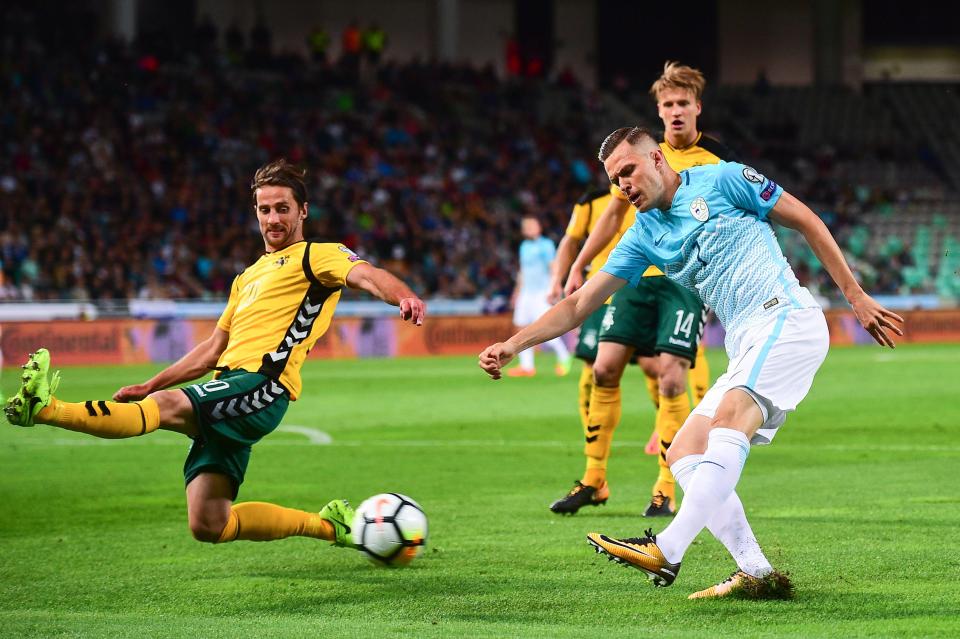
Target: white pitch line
[(316, 436)]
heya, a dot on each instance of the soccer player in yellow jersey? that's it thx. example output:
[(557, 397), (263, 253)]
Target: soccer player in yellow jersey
[(278, 308), (678, 317)]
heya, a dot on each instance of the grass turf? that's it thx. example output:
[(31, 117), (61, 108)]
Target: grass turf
[(858, 500)]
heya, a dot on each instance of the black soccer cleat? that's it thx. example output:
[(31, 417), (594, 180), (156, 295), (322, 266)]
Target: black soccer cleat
[(660, 506), (579, 496)]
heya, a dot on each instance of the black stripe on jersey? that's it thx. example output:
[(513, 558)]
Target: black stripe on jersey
[(309, 310), (592, 195), (716, 147)]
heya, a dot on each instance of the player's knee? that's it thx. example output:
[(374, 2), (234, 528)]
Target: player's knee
[(172, 404), (207, 529), (673, 375), (604, 374)]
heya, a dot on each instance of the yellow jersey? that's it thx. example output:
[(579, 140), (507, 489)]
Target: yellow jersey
[(704, 150), (586, 212), (280, 306)]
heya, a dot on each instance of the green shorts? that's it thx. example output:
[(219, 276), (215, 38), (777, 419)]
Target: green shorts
[(589, 335), (233, 412), (658, 316)]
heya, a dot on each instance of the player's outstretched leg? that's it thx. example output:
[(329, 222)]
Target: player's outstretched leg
[(773, 585), (262, 521), (642, 553), (35, 403)]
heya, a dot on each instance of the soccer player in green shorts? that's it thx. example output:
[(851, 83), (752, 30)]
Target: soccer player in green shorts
[(278, 308)]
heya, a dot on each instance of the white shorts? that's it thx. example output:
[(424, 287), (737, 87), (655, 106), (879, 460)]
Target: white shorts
[(529, 308), (775, 363)]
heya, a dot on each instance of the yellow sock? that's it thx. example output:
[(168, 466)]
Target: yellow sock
[(585, 386), (260, 521), (109, 420), (672, 413), (653, 387), (699, 376), (604, 417)]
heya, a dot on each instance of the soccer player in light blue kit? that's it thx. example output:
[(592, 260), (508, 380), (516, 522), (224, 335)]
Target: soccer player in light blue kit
[(708, 228), (531, 292)]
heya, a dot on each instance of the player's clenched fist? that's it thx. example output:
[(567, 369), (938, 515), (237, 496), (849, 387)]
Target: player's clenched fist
[(494, 358)]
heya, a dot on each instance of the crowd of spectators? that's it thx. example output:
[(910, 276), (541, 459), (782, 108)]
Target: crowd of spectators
[(125, 175), (125, 172)]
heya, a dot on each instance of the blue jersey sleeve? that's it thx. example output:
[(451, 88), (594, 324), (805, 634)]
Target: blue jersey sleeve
[(628, 260), (747, 189)]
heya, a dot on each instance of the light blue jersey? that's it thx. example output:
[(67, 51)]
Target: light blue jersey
[(535, 258), (716, 241)]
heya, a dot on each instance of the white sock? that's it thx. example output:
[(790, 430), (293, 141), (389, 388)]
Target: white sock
[(526, 358), (712, 483), (559, 348), (729, 525)]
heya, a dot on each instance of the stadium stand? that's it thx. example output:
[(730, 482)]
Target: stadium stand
[(126, 176)]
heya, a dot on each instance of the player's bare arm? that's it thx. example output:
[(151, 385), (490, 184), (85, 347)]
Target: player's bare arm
[(564, 316), (566, 252), (794, 214), (197, 363), (602, 234), (385, 286)]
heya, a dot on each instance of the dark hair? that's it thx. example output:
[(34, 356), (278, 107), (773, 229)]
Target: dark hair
[(632, 134), (281, 173)]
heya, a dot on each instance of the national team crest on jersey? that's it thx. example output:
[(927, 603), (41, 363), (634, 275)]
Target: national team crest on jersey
[(699, 210), (282, 260)]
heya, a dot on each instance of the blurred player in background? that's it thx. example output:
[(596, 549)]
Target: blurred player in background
[(710, 228), (530, 294), (657, 318), (278, 308)]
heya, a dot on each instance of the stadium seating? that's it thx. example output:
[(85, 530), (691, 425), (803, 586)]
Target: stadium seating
[(141, 192)]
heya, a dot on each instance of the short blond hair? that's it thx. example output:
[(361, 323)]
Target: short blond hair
[(679, 76)]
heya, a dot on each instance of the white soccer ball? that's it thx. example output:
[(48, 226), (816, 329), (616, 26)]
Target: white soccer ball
[(390, 528)]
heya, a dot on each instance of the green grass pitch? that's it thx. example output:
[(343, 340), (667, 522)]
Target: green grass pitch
[(858, 499)]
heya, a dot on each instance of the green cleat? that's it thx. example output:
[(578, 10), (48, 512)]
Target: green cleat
[(35, 390), (339, 513)]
